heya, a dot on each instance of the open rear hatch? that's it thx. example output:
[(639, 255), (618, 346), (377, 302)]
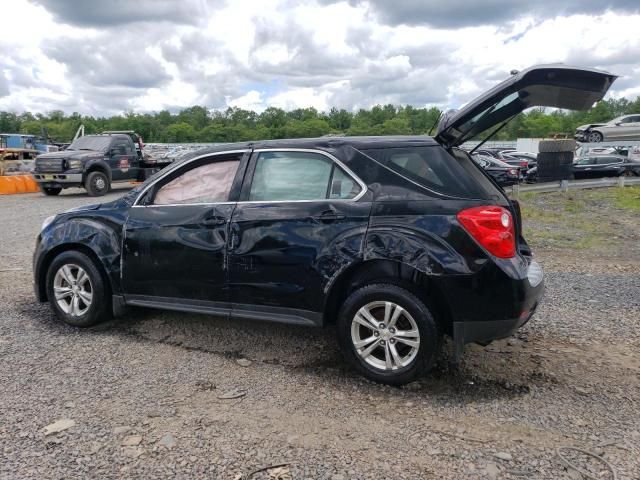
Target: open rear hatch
[(559, 86)]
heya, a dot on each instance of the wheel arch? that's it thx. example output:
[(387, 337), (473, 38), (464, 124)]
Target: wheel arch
[(52, 254), (422, 285), (98, 166)]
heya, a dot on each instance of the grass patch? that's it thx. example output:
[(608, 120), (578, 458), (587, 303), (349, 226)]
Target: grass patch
[(577, 220), (628, 198)]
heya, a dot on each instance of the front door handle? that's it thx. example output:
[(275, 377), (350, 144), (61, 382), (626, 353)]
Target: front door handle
[(329, 216), (234, 236), (213, 221)]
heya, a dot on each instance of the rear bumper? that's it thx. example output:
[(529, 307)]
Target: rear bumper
[(496, 302), (489, 330)]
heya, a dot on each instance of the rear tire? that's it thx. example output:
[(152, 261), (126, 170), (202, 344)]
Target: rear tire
[(76, 290), (51, 191), (97, 184), (393, 351)]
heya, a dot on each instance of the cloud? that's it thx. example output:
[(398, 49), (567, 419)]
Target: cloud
[(118, 58), (4, 85), (104, 14), (103, 58), (463, 13)]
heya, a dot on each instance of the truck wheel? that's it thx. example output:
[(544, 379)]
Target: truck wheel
[(97, 184), (387, 334), (51, 191)]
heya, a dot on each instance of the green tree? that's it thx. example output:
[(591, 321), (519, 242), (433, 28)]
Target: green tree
[(179, 133)]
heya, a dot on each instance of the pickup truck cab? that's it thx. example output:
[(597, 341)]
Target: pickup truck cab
[(93, 162)]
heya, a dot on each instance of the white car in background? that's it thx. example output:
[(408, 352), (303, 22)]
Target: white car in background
[(626, 127)]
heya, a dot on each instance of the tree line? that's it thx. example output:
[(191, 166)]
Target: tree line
[(199, 124)]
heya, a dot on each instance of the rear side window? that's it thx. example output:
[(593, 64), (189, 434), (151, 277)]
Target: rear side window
[(292, 176), (608, 160), (435, 169)]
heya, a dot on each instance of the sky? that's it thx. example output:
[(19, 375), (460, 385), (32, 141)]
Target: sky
[(107, 57)]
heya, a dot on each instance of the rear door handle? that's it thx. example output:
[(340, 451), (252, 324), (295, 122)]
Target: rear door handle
[(329, 216)]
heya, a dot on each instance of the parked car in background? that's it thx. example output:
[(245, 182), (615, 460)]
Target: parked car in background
[(531, 175), (504, 154), (395, 240), (531, 158), (17, 161), (520, 163), (495, 152), (504, 174), (605, 166), (626, 127)]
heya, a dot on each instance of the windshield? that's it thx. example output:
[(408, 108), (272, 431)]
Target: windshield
[(99, 144)]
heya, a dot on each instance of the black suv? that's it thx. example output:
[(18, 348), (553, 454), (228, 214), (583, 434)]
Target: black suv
[(395, 240)]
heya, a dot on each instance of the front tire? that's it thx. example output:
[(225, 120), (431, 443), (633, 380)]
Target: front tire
[(76, 290), (51, 191), (594, 137), (97, 184), (388, 334)]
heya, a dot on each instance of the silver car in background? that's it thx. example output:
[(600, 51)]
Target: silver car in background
[(626, 127)]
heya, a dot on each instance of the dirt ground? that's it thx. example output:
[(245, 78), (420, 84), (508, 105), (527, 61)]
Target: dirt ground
[(160, 394)]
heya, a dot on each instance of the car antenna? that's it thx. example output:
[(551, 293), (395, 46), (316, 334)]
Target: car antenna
[(435, 123), (502, 125)]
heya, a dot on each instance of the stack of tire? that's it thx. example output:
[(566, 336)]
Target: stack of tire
[(555, 158)]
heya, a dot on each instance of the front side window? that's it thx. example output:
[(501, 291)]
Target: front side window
[(122, 148), (209, 183), (587, 161), (292, 176)]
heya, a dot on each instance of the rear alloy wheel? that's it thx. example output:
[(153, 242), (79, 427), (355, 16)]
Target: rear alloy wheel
[(385, 346), (97, 184), (388, 334), (594, 137), (76, 290), (51, 191)]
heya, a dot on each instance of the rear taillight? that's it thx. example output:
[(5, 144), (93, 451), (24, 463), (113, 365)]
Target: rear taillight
[(513, 171), (524, 164), (492, 227)]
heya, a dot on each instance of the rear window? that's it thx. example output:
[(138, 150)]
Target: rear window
[(435, 169)]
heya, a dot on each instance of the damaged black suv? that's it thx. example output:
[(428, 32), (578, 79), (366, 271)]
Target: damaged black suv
[(395, 240)]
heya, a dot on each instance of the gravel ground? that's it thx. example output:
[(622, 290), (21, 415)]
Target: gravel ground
[(144, 395)]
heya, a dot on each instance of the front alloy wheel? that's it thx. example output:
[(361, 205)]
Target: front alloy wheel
[(76, 289), (385, 335), (73, 290), (594, 137)]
